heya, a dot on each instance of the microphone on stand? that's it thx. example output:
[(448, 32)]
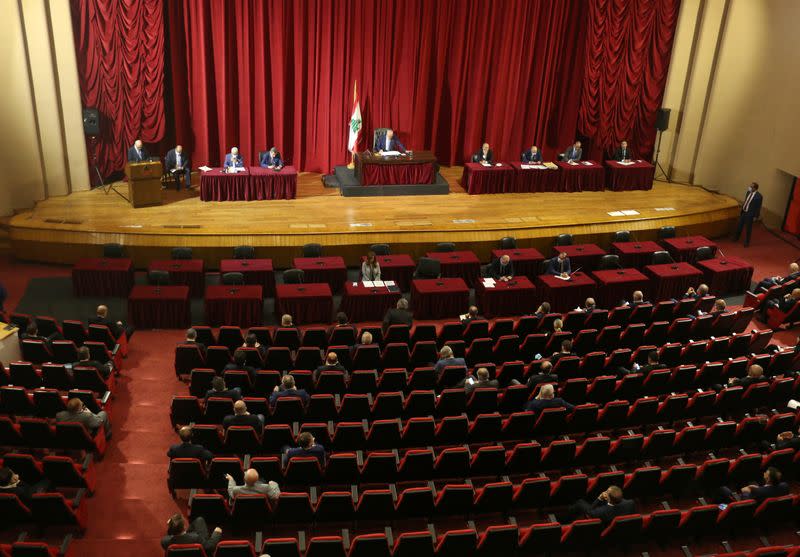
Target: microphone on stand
[(723, 260)]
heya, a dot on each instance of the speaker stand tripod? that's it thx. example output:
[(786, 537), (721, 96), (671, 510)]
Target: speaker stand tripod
[(95, 171), (660, 169)]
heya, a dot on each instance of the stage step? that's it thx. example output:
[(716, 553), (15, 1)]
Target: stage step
[(349, 186)]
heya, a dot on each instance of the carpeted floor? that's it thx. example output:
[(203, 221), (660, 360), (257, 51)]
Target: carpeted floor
[(131, 506)]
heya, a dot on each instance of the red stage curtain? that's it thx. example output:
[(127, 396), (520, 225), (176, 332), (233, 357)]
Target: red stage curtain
[(447, 75), (628, 50), (120, 53)]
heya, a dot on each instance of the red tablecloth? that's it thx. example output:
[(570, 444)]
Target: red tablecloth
[(361, 303), (159, 307), (727, 275), (636, 176), (514, 297), (438, 298), (616, 285), (189, 272), (534, 179), (330, 270), (234, 305), (565, 295), (463, 264), (255, 183), (399, 173), (306, 303), (101, 277), (672, 280), (398, 267), (581, 176), (487, 179), (585, 256), (685, 248), (635, 254), (255, 271), (526, 260)]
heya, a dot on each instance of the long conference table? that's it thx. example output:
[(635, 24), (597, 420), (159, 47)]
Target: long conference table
[(251, 184)]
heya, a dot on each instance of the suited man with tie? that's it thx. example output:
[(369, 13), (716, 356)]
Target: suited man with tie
[(272, 159), (502, 269), (233, 159), (177, 163), (532, 156), (751, 208), (484, 155), (573, 152), (559, 266), (137, 153), (623, 153), (388, 142)]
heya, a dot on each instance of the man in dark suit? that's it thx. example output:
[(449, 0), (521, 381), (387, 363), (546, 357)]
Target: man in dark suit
[(701, 291), (559, 266), (532, 156), (547, 399), (652, 364), (398, 315), (85, 360), (32, 333), (471, 315), (331, 364), (501, 268), (307, 446), (233, 159), (388, 142), (755, 374), (638, 299), (573, 152), (287, 388), (484, 155), (751, 208), (785, 440), (178, 532), (272, 159), (446, 358), (116, 328), (187, 449), (608, 505), (220, 390), (545, 375), (773, 487), (767, 283), (137, 152), (566, 350), (12, 484), (240, 364), (623, 153), (178, 164), (242, 417), (480, 381), (191, 338)]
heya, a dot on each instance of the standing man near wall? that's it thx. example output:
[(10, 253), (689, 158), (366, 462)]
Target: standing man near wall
[(750, 211)]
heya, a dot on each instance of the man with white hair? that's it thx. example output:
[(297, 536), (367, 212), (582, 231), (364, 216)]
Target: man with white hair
[(446, 358), (137, 152), (547, 399), (252, 486), (233, 159), (767, 283)]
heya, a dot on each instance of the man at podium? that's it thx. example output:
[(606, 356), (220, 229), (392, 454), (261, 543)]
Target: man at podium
[(177, 163), (137, 153), (233, 159), (388, 142)]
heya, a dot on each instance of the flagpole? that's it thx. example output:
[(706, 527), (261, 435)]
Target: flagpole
[(352, 164)]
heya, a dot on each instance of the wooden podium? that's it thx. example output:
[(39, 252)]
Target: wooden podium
[(144, 183)]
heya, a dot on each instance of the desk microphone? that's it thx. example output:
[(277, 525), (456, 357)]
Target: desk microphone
[(723, 260)]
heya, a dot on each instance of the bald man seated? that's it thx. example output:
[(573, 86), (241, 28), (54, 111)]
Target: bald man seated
[(252, 486), (117, 328), (769, 282), (242, 417), (484, 155)]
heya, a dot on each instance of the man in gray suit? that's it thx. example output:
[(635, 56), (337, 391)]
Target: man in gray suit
[(77, 412), (252, 486), (446, 358), (573, 152)]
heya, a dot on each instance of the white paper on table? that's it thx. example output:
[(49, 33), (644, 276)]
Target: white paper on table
[(538, 166), (488, 282), (626, 163), (390, 153), (390, 283), (205, 168), (499, 164), (368, 283), (616, 214), (665, 208), (629, 212), (378, 283), (587, 163), (526, 166), (559, 277)]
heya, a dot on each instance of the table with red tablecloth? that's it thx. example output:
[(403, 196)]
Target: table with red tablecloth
[(397, 267), (726, 275), (188, 272), (330, 270), (583, 256), (635, 254), (526, 260), (102, 277), (367, 303), (306, 303), (439, 298), (504, 299), (615, 285), (685, 247), (241, 305), (255, 271), (672, 280), (565, 295), (478, 178), (159, 307), (534, 179), (254, 183), (417, 167), (463, 264), (638, 175), (583, 176)]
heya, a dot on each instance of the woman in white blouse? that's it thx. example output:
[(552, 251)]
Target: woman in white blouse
[(370, 269)]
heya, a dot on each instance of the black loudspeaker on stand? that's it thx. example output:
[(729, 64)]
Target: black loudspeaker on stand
[(662, 125)]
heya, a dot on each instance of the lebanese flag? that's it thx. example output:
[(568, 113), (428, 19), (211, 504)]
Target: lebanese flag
[(355, 122)]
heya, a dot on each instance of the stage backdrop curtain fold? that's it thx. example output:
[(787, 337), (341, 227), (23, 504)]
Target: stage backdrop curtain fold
[(628, 50), (446, 75), (120, 52)]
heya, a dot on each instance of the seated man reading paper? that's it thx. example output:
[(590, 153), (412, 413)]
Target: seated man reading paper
[(388, 142), (272, 159), (532, 156), (233, 160)]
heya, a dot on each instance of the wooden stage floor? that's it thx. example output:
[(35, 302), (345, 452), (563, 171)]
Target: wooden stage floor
[(63, 229)]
